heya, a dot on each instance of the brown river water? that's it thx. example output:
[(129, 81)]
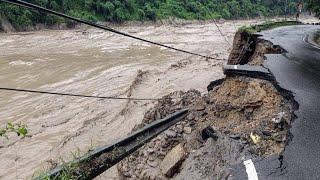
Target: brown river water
[(93, 62)]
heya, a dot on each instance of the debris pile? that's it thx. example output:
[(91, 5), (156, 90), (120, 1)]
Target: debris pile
[(244, 106), (240, 117), (161, 156), (248, 117)]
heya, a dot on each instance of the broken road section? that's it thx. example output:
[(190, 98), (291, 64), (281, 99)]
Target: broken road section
[(240, 118)]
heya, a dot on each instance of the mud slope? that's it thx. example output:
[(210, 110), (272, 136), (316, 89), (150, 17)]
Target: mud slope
[(240, 117)]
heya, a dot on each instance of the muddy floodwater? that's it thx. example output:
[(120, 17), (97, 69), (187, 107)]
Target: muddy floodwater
[(93, 62)]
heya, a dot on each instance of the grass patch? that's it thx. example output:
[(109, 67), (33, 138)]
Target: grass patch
[(266, 26), (81, 167), (68, 170)]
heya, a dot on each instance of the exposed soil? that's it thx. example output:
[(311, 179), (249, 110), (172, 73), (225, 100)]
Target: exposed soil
[(249, 49), (239, 117)]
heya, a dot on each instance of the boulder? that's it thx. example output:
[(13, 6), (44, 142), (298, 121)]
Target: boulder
[(187, 130), (173, 160)]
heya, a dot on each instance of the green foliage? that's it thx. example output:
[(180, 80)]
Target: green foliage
[(69, 170), (266, 25), (126, 10), (248, 29), (274, 24), (19, 129), (314, 6)]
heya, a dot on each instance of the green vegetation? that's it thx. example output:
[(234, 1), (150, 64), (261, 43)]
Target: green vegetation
[(81, 167), (69, 170), (19, 129), (142, 10), (248, 29), (314, 6), (267, 25), (66, 173)]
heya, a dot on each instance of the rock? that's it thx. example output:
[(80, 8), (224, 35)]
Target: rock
[(279, 117), (200, 105), (266, 133), (208, 132), (248, 112), (191, 116), (187, 130), (255, 138), (173, 160), (150, 150), (179, 129), (152, 163), (254, 95), (170, 133), (158, 115), (235, 136)]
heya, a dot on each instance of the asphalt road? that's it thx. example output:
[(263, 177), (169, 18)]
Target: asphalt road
[(298, 71)]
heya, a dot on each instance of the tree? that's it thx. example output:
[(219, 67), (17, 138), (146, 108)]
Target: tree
[(314, 6), (126, 10)]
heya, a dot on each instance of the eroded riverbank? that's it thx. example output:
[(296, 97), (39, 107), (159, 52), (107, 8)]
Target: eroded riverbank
[(240, 118), (93, 62)]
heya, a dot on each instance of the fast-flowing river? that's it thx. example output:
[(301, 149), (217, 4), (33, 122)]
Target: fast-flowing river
[(93, 62)]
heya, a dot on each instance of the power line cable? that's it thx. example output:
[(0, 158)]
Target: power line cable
[(77, 95), (215, 23), (225, 38), (33, 6)]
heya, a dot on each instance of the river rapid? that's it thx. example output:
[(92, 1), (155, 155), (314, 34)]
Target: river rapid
[(88, 61)]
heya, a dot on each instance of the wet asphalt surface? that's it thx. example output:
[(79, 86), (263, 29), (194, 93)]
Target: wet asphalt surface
[(298, 71)]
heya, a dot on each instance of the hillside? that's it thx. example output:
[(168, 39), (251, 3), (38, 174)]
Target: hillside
[(144, 10)]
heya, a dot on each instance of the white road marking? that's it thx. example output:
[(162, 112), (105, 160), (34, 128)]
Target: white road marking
[(235, 67), (305, 39), (251, 170)]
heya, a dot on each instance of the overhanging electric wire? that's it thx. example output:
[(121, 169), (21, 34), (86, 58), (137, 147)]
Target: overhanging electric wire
[(77, 95), (33, 6), (215, 23), (225, 38)]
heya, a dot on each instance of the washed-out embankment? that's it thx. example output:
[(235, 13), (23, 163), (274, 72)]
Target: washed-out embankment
[(201, 116), (240, 117)]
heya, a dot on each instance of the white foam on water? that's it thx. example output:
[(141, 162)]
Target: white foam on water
[(20, 62)]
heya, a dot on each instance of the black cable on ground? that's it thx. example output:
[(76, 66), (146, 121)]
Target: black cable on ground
[(33, 6), (77, 95)]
